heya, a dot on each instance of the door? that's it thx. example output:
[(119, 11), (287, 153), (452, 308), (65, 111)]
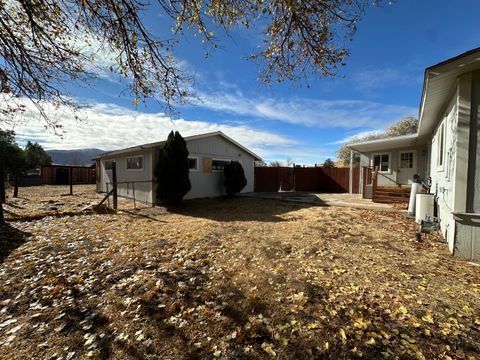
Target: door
[(407, 166), (61, 176)]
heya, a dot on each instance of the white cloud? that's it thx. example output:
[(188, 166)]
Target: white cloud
[(371, 80), (347, 114), (109, 127)]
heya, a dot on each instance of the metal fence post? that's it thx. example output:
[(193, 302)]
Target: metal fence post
[(70, 179), (114, 180)]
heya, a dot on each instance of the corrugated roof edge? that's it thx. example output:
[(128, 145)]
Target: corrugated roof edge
[(187, 138)]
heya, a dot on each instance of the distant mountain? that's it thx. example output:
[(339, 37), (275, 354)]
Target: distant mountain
[(74, 157)]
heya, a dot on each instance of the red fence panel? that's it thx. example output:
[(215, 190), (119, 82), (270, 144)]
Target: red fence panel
[(311, 179), (267, 179)]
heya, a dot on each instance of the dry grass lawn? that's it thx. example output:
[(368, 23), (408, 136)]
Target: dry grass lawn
[(232, 279)]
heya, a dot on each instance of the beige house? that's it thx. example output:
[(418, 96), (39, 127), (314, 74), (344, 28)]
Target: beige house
[(446, 148), (208, 153)]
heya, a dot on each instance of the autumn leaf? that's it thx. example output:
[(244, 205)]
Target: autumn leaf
[(268, 348), (428, 318)]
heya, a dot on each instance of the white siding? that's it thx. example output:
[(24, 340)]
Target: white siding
[(204, 184), (210, 184), (125, 178), (443, 176), (391, 177)]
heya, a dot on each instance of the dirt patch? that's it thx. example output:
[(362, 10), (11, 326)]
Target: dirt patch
[(239, 278)]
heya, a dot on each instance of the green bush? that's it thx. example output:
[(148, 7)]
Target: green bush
[(171, 172), (235, 179), (328, 163)]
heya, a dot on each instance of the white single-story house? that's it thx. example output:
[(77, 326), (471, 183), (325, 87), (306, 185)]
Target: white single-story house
[(445, 148), (208, 153)]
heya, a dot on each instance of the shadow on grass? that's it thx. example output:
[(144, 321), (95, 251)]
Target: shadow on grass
[(239, 209), (10, 239)]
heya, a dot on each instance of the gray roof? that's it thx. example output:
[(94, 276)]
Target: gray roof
[(187, 138)]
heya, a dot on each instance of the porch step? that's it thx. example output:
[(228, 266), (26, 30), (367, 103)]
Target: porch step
[(390, 199), (388, 195)]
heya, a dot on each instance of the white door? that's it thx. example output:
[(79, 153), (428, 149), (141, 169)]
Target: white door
[(407, 166)]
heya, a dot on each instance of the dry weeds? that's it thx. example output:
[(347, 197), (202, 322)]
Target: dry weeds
[(240, 278)]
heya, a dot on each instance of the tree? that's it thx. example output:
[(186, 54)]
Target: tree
[(328, 163), (36, 156), (235, 179), (47, 43), (404, 126), (172, 170), (11, 161), (275, 163)]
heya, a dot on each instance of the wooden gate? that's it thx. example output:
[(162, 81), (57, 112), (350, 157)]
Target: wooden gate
[(311, 179)]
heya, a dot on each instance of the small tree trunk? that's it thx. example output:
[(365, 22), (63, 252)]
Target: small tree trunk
[(15, 185), (2, 196), (2, 186), (2, 220)]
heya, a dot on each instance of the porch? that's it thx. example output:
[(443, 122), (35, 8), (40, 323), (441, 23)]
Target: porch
[(387, 167)]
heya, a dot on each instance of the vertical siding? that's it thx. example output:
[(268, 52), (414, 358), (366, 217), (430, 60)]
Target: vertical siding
[(473, 198), (143, 178), (204, 184), (210, 184), (443, 176)]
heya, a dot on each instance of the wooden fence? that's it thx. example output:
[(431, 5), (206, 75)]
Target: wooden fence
[(312, 179)]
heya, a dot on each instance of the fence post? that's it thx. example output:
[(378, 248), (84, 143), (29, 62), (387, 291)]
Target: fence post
[(350, 176), (114, 180), (70, 179), (294, 179), (133, 189)]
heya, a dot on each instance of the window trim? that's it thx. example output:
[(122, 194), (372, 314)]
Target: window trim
[(135, 156), (414, 159), (389, 171), (197, 168), (105, 163), (441, 137)]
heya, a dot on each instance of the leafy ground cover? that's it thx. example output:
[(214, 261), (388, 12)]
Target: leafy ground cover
[(237, 278)]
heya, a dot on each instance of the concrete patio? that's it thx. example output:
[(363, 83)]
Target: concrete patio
[(330, 199)]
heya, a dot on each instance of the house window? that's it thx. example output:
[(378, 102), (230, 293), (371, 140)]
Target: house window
[(193, 163), (382, 162), (108, 164), (406, 160), (441, 144), (219, 165), (135, 163)]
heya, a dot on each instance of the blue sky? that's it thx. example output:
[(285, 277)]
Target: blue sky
[(381, 83)]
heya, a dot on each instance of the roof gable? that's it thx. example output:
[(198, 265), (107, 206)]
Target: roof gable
[(187, 139)]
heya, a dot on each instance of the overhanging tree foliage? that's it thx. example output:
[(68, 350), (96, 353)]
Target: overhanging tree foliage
[(172, 170), (47, 43), (235, 179)]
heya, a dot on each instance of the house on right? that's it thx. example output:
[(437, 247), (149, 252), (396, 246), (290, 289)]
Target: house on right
[(446, 148)]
